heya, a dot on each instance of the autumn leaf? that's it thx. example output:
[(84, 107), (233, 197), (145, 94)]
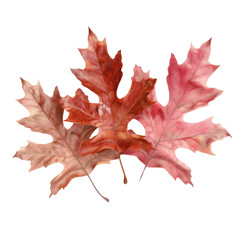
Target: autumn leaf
[(111, 115), (46, 116), (165, 127)]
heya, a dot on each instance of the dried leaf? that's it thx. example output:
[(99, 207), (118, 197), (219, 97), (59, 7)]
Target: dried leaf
[(165, 127), (46, 117), (111, 115)]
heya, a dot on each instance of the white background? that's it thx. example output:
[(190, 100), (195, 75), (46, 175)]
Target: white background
[(39, 41)]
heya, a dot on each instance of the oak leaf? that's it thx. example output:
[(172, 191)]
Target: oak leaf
[(164, 125), (165, 128), (46, 116), (111, 115)]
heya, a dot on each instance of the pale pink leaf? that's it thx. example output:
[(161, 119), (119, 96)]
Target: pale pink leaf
[(46, 116), (165, 127)]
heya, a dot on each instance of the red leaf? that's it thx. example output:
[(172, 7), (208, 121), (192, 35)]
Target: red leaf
[(111, 115), (165, 127), (46, 117)]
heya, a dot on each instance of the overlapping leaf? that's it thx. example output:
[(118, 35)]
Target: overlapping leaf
[(46, 117), (111, 115), (165, 127)]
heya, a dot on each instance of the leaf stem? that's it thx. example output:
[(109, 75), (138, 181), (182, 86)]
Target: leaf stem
[(125, 181), (147, 162), (106, 199)]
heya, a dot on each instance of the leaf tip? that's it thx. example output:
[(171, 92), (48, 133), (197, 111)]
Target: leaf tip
[(56, 92), (91, 35), (81, 50), (209, 151), (15, 155), (173, 58), (23, 81), (90, 31), (208, 43), (73, 70), (31, 169)]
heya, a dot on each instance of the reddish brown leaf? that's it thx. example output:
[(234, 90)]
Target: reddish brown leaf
[(165, 127), (46, 117), (111, 115)]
